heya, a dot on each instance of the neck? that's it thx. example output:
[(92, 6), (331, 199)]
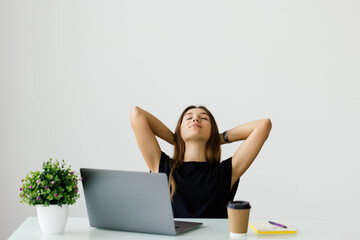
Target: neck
[(195, 152)]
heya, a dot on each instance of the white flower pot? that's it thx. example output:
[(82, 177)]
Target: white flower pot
[(52, 219)]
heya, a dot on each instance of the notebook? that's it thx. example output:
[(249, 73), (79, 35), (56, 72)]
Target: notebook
[(264, 227), (130, 201)]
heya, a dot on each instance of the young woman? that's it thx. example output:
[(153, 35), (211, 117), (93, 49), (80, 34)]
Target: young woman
[(200, 185)]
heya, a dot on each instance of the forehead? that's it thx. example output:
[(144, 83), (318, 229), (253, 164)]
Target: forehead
[(195, 111)]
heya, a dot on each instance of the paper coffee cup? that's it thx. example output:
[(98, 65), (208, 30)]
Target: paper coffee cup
[(238, 215)]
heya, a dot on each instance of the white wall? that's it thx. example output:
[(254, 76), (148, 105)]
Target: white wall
[(70, 71)]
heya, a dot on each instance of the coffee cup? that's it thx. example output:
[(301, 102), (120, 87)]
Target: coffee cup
[(238, 216)]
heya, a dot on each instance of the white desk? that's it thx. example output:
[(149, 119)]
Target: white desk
[(79, 228)]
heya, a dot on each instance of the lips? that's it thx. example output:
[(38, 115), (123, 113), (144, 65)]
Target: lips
[(195, 125)]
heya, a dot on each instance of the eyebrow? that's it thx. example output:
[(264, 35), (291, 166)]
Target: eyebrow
[(200, 113)]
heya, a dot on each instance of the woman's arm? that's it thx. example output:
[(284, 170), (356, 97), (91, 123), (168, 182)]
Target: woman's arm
[(255, 134), (146, 127)]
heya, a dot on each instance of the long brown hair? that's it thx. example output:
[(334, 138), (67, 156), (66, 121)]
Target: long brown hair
[(212, 151)]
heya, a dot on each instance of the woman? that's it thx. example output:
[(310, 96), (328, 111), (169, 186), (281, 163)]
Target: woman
[(200, 186)]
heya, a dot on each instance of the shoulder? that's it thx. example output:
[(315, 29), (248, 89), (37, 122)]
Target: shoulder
[(226, 170), (226, 163), (164, 156), (164, 165), (225, 167)]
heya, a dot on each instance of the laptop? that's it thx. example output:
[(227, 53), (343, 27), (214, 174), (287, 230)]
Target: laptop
[(130, 201)]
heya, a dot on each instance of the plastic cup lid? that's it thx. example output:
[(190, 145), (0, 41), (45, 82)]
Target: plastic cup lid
[(239, 205)]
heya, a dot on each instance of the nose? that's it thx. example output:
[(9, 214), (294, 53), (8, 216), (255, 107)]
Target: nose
[(196, 118)]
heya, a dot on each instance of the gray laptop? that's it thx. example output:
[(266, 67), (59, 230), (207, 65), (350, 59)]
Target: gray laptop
[(130, 201)]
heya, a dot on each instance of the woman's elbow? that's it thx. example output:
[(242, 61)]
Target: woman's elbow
[(267, 124), (135, 111), (134, 114)]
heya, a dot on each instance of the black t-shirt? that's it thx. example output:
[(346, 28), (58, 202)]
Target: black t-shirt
[(202, 189)]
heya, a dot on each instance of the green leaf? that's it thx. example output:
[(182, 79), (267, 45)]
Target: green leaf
[(64, 186)]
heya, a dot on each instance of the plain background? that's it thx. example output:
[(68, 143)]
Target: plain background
[(70, 72)]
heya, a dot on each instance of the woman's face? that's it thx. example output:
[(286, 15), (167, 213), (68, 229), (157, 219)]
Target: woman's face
[(196, 125)]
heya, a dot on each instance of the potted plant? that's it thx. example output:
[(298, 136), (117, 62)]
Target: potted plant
[(52, 190)]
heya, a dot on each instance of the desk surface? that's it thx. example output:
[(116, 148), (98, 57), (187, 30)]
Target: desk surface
[(79, 228)]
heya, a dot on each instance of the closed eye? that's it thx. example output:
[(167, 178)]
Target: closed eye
[(201, 118)]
